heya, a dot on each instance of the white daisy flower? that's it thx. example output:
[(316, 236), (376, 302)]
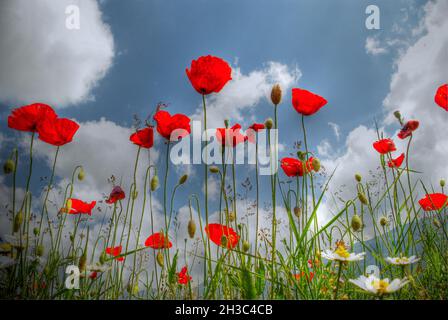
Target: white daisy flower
[(402, 261), (341, 254), (6, 262), (378, 286)]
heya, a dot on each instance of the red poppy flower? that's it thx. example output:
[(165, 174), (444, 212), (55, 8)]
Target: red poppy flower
[(293, 167), (183, 277), (167, 124), (434, 201), (396, 163), (302, 274), (58, 131), (143, 138), (93, 275), (158, 241), (384, 146), (306, 102), (116, 194), (230, 137), (252, 130), (27, 118), (209, 74), (441, 97), (408, 128), (75, 206), (218, 232), (115, 251)]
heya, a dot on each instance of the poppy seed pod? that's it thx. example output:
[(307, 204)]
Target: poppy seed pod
[(362, 198), (384, 221), (246, 246), (276, 94), (9, 166), (18, 219), (269, 124), (159, 258), (183, 179), (316, 164), (442, 183), (214, 169), (356, 223), (154, 183), (81, 174), (358, 177), (231, 216), (191, 228), (297, 212)]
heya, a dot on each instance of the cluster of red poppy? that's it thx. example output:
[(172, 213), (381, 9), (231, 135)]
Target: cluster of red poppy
[(41, 118)]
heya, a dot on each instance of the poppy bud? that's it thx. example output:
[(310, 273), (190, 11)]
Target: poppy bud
[(9, 166), (102, 258), (231, 216), (40, 250), (301, 155), (316, 164), (82, 262), (384, 221), (397, 115), (246, 246), (442, 183), (183, 179), (18, 219), (362, 198), (224, 241), (226, 123), (297, 212), (269, 124), (356, 223), (358, 177), (214, 169), (191, 228), (36, 231), (436, 223), (154, 183), (276, 94), (81, 174), (160, 259)]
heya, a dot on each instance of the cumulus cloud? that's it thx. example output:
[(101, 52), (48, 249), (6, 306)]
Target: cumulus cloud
[(42, 60), (373, 46), (245, 91)]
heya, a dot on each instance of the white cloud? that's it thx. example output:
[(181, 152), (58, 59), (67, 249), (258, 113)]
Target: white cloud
[(373, 46), (244, 92), (44, 61), (336, 129), (324, 148)]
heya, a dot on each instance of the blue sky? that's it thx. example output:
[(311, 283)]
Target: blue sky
[(154, 41)]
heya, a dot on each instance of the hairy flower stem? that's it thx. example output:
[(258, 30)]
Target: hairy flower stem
[(338, 281), (274, 202)]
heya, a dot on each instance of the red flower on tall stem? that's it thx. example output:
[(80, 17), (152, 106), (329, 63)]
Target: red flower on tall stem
[(179, 124), (306, 102), (384, 146), (116, 194), (158, 241), (115, 251), (143, 138), (230, 137), (222, 235), (251, 132), (408, 128), (183, 277), (209, 74), (434, 201), (28, 118), (441, 97), (76, 206), (396, 163), (57, 131), (293, 167)]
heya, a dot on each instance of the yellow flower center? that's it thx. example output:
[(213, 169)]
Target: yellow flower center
[(380, 285), (341, 251)]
